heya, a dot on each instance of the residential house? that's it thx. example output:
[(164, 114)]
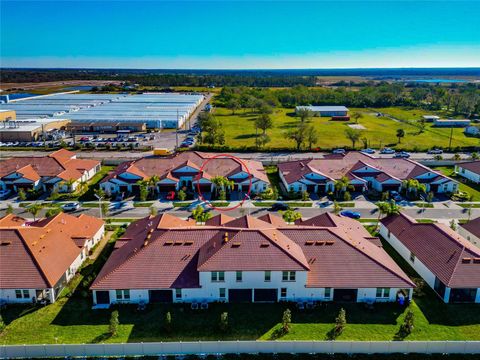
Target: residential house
[(60, 171), (248, 259), (363, 172), (37, 259), (471, 231), (190, 170), (470, 170), (447, 262)]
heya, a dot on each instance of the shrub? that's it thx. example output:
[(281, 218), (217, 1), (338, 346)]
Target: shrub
[(223, 321), (22, 195), (286, 321), (181, 195), (168, 321), (407, 326), (114, 322), (340, 322)]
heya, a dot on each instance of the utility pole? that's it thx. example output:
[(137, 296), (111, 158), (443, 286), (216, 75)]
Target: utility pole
[(176, 131)]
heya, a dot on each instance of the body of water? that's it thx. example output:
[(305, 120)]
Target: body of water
[(446, 81)]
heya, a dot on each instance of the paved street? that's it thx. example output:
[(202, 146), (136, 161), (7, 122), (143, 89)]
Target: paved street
[(367, 211)]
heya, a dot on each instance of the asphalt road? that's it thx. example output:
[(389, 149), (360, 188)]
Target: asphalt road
[(139, 212)]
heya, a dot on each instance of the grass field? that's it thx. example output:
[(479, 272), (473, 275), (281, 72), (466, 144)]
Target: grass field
[(380, 131)]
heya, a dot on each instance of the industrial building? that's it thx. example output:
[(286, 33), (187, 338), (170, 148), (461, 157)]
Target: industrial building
[(322, 111), (7, 115), (155, 110), (26, 130)]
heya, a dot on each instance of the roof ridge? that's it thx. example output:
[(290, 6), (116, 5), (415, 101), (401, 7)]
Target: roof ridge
[(281, 248), (34, 259), (362, 250)]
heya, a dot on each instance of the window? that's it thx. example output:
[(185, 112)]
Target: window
[(283, 292), (239, 276), (383, 293), (288, 275), (22, 294), (178, 293), (412, 257), (328, 292), (218, 276), (222, 292), (123, 294), (268, 275)]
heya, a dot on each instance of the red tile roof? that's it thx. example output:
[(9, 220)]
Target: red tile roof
[(473, 226), (150, 257), (334, 167), (40, 252), (61, 163), (165, 167), (440, 249), (473, 166)]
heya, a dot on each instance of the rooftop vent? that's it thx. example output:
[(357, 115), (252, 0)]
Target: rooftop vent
[(309, 242), (236, 244), (5, 243), (329, 242), (177, 243), (264, 244), (466, 260), (188, 242), (476, 260), (168, 242), (319, 243)]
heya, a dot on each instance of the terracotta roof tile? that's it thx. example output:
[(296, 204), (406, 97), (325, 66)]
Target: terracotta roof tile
[(439, 248)]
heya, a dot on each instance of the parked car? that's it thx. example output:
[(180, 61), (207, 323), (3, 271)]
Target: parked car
[(324, 204), (351, 214), (402, 154), (170, 195), (195, 204), (71, 206), (278, 206), (5, 193), (387, 151), (338, 151), (435, 151), (368, 151), (396, 196)]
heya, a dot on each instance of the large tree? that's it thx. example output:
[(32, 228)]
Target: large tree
[(353, 135), (264, 122), (311, 136), (298, 135), (304, 114)]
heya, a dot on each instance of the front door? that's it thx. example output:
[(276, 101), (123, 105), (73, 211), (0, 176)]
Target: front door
[(160, 296)]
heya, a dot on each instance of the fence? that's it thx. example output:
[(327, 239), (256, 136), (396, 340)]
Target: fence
[(236, 347)]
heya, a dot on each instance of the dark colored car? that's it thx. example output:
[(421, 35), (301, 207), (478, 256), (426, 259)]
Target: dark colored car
[(351, 214), (279, 206)]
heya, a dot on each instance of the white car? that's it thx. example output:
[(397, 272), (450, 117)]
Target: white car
[(72, 206), (338, 151), (387, 151), (4, 193), (368, 151)]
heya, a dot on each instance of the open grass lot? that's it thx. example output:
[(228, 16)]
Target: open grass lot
[(469, 187), (71, 319), (380, 131)]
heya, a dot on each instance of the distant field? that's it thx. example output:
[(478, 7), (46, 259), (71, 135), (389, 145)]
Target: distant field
[(380, 131)]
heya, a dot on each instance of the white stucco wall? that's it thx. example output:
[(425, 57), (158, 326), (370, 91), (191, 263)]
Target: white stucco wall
[(469, 236), (467, 174)]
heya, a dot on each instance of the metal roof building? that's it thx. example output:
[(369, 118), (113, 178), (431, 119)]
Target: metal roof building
[(156, 110)]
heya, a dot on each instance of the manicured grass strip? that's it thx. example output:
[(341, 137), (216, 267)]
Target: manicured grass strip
[(181, 204), (220, 203), (93, 205), (425, 221), (93, 182), (142, 204), (368, 220), (116, 220), (466, 206), (346, 204), (424, 205)]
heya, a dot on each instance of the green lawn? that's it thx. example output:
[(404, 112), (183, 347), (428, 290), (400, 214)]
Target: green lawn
[(93, 182), (292, 204), (380, 132), (469, 187)]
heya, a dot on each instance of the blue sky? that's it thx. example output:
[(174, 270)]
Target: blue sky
[(240, 34)]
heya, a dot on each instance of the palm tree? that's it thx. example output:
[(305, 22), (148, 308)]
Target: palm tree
[(34, 209), (83, 185), (387, 208), (221, 183), (152, 183), (341, 185), (143, 187)]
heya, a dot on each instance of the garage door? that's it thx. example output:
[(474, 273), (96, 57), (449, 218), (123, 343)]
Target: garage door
[(166, 188), (103, 297), (387, 187), (205, 187), (265, 295), (345, 295), (239, 295), (160, 296)]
